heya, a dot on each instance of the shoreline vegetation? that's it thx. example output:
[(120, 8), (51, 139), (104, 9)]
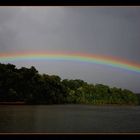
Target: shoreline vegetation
[(25, 86), (13, 103), (24, 103)]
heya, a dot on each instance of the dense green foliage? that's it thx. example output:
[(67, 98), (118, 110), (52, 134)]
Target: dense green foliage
[(138, 97), (26, 84)]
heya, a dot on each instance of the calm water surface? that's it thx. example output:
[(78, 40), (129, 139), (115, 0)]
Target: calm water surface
[(69, 118)]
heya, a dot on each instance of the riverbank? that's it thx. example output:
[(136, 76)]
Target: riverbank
[(24, 103), (12, 103)]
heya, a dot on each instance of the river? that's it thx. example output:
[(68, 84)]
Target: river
[(69, 119)]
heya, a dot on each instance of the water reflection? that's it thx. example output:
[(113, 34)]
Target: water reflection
[(17, 118), (69, 118)]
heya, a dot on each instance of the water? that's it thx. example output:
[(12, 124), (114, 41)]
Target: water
[(69, 119)]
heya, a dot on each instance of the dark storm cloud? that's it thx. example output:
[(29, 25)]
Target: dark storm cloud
[(7, 34), (100, 30), (107, 30), (31, 28)]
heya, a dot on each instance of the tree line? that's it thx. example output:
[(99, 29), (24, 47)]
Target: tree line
[(26, 84)]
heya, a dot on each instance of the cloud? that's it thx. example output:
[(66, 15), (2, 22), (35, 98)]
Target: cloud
[(110, 31), (30, 28)]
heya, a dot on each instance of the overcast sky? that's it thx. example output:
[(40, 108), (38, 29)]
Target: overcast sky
[(102, 30)]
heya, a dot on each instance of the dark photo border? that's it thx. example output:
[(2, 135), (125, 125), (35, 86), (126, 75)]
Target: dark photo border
[(70, 3)]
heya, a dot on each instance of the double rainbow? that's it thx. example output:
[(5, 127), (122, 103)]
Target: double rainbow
[(67, 56)]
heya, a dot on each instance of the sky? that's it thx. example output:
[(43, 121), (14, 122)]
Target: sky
[(104, 30)]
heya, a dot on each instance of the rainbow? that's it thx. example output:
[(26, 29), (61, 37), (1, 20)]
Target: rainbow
[(68, 56)]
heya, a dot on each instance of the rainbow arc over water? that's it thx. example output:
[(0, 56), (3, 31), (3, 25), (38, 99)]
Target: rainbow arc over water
[(77, 57)]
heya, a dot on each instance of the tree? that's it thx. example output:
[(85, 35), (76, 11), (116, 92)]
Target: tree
[(26, 84)]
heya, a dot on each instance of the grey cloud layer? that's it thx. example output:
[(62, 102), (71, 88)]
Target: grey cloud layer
[(103, 30)]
